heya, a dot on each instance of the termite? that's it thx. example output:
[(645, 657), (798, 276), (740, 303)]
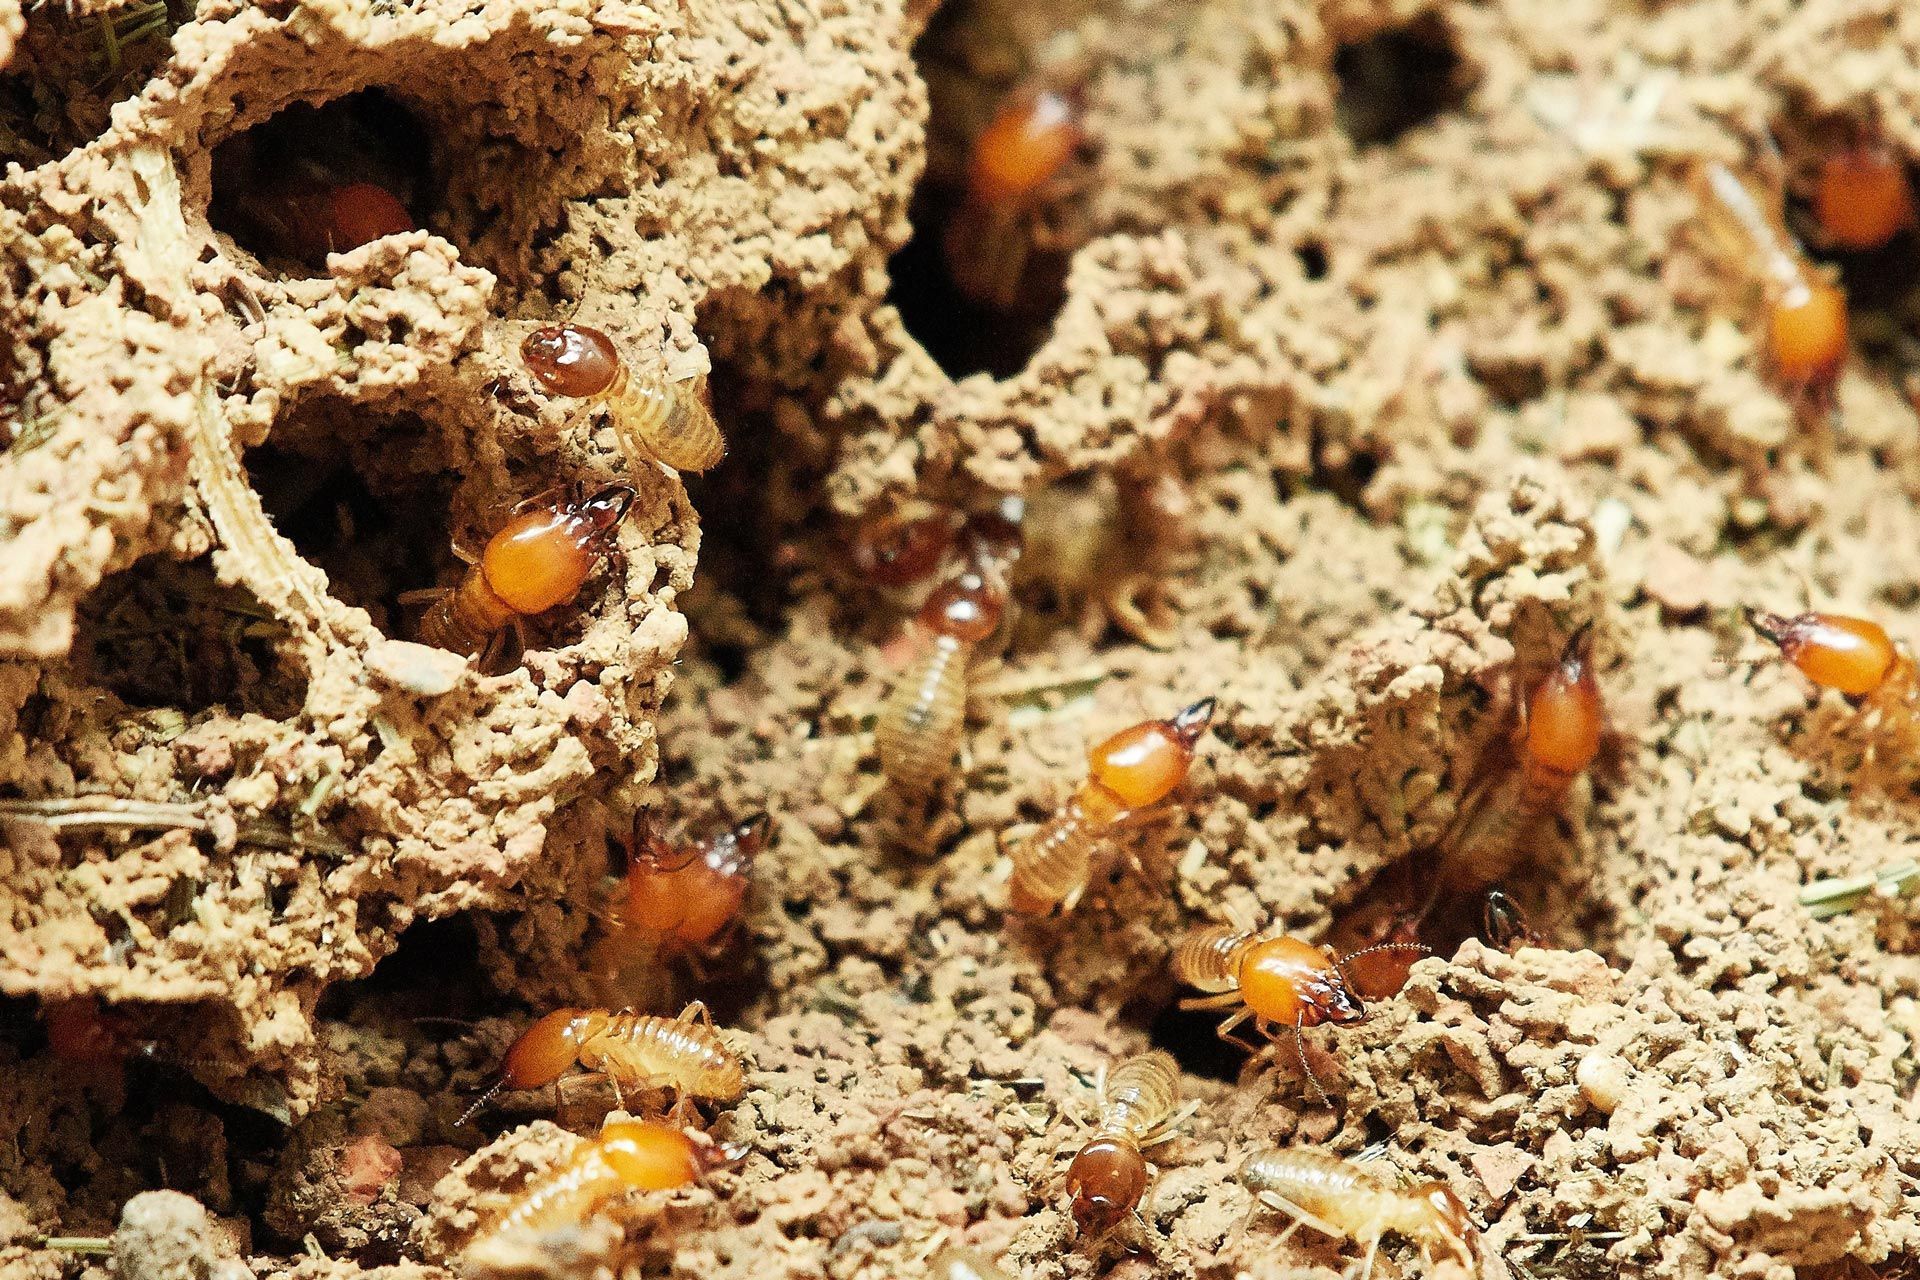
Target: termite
[(539, 560), (307, 220), (1281, 982), (1346, 1201), (682, 899), (1139, 1108), (80, 1031), (1014, 168), (1128, 772), (901, 548), (1861, 197), (637, 1051), (668, 421), (1806, 313), (1852, 655), (1558, 738), (919, 726), (627, 1156)]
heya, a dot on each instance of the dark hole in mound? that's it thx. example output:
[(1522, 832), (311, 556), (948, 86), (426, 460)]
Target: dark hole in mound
[(759, 496), (435, 971), (168, 634), (377, 538), (1313, 259), (320, 179), (1396, 81), (963, 336), (1189, 1035), (975, 288)]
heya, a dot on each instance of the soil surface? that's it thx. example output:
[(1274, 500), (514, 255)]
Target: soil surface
[(1380, 343)]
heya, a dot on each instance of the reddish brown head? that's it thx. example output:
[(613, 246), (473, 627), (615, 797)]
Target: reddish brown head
[(1105, 1183), (571, 359), (965, 607), (362, 212), (893, 551), (1862, 199), (1852, 655)]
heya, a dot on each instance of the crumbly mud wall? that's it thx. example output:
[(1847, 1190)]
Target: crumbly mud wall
[(1401, 314)]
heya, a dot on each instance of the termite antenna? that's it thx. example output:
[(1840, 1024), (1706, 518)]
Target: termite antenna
[(481, 1101), (1306, 1068), (1421, 947)]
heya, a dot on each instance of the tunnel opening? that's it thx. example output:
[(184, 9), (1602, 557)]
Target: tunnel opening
[(983, 277), (369, 504), (320, 179), (1395, 82), (169, 634)]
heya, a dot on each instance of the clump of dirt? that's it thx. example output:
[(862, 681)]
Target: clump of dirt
[(1376, 342)]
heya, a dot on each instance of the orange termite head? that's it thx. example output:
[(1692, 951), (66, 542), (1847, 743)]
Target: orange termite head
[(547, 1048), (1143, 764), (571, 359), (362, 212), (1105, 1183), (1852, 655), (1807, 332), (1290, 981), (1861, 198), (1564, 718), (542, 556), (966, 607), (649, 1156), (1026, 144)]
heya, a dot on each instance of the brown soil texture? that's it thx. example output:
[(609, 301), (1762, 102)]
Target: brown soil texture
[(1400, 314)]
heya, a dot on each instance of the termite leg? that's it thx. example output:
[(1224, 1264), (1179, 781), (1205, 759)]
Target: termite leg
[(697, 1012), (1225, 1029), (1217, 1001)]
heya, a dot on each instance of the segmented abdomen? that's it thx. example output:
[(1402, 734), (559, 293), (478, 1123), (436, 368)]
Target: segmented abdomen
[(564, 1197), (1053, 863), (919, 727), (666, 420), (1209, 957), (465, 619), (688, 1057), (1327, 1187), (1141, 1094)]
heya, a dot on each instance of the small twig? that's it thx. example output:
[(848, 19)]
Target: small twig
[(78, 1244), (1825, 899), (106, 813)]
